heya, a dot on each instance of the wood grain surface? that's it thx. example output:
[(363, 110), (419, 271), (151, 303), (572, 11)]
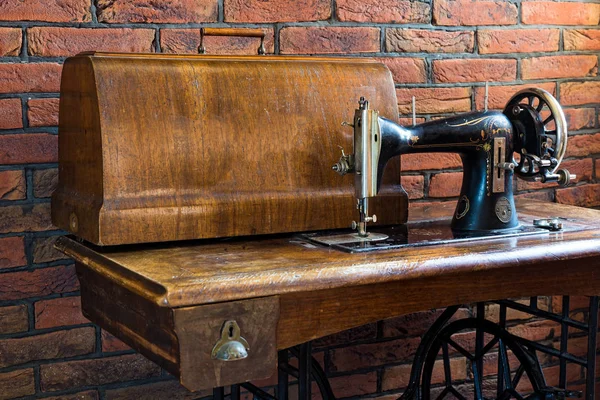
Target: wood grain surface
[(201, 272), (196, 327), (157, 148), (158, 298)]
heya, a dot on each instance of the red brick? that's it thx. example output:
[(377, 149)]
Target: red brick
[(383, 11), (373, 354), (44, 182), (474, 12), (405, 121), (580, 118), (582, 168), (398, 377), (490, 363), (39, 77), (423, 40), (429, 205), (547, 196), (492, 311), (25, 218), (501, 41), (276, 10), (329, 40), (583, 145), (414, 186), (474, 70), (498, 96), (559, 67), (318, 356), (354, 385), (44, 251), (87, 395), (560, 13), (42, 112), (578, 93), (39, 282), (575, 303), (577, 346), (430, 161), (537, 330), (59, 312), (551, 375), (466, 340), (446, 184), (12, 185), (434, 100), (111, 343), (584, 196), (17, 383), (187, 41), (12, 252), (10, 41), (406, 70), (64, 42), (47, 346), (170, 390), (362, 332), (11, 114), (46, 10), (28, 148), (416, 324), (14, 319), (581, 39), (94, 372), (123, 11)]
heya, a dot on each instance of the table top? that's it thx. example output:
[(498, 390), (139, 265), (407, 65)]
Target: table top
[(210, 271)]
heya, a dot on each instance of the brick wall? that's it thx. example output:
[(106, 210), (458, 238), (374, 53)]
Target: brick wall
[(441, 51)]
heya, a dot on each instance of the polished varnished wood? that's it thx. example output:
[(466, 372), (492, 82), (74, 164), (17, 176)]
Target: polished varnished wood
[(181, 339), (197, 326), (243, 32), (322, 291), (157, 148)]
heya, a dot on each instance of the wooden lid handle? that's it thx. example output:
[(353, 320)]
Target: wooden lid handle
[(241, 32)]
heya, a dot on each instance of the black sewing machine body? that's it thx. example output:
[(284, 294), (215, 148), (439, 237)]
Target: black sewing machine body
[(483, 140), (532, 126)]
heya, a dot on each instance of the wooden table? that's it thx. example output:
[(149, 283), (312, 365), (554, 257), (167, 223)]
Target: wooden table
[(170, 301)]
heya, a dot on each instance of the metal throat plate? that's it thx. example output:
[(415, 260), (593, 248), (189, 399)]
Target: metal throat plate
[(411, 235)]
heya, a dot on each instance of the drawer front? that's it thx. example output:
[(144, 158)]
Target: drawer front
[(207, 332)]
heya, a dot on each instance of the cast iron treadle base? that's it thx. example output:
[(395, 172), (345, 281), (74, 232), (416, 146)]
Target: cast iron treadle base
[(442, 340), (411, 235)]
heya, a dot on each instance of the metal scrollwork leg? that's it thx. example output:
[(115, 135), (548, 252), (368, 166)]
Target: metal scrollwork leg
[(442, 342), (318, 375), (413, 389), (590, 384), (308, 370), (527, 360)]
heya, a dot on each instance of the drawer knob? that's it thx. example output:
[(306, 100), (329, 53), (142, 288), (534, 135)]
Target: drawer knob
[(231, 346)]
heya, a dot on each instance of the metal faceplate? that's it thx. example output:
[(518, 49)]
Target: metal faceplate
[(411, 235), (367, 146)]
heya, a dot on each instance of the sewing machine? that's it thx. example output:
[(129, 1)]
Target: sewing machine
[(189, 184), (532, 125)]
